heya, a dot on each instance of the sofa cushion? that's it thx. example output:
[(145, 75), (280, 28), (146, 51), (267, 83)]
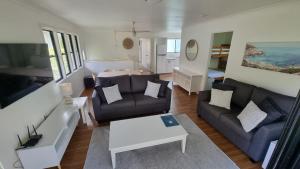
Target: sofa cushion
[(147, 101), (98, 87), (217, 111), (251, 116), (112, 94), (273, 113), (163, 87), (152, 89), (127, 103), (221, 98), (285, 103), (139, 82), (122, 81), (242, 93), (233, 125), (222, 86)]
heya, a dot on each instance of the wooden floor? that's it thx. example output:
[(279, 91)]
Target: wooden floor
[(181, 103)]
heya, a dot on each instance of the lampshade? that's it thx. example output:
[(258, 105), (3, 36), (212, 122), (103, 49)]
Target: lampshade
[(66, 89)]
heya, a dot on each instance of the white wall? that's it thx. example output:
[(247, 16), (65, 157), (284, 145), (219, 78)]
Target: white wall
[(279, 22), (22, 24), (95, 67), (104, 48), (106, 45)]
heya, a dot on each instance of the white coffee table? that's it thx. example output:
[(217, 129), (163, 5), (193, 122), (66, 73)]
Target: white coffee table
[(136, 133)]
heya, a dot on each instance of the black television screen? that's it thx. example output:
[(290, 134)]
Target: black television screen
[(23, 69)]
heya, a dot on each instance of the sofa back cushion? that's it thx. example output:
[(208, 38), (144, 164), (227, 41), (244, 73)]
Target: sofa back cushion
[(242, 93), (122, 81), (284, 102), (139, 82)]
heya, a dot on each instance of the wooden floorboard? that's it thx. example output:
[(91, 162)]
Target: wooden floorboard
[(75, 155)]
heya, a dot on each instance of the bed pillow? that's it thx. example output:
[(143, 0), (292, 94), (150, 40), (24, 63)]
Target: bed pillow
[(220, 98), (152, 89), (112, 94), (251, 116)]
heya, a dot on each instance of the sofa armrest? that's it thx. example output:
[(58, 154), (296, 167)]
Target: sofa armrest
[(168, 96), (262, 139), (96, 104), (204, 95)]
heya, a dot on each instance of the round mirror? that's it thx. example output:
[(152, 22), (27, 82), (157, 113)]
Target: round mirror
[(191, 50)]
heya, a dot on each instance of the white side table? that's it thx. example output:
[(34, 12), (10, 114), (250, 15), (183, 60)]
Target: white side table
[(82, 104), (269, 154)]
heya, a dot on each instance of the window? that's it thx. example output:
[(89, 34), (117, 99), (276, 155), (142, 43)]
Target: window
[(64, 54), (72, 54), (49, 39), (173, 45), (78, 51)]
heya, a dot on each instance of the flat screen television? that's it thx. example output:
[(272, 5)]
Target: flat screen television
[(23, 69)]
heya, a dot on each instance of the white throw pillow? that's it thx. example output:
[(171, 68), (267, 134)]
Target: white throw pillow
[(152, 89), (221, 98), (251, 116), (112, 93)]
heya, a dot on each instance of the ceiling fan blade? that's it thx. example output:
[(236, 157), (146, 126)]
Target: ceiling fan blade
[(124, 31), (142, 31)]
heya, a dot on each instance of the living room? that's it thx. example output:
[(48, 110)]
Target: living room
[(99, 41)]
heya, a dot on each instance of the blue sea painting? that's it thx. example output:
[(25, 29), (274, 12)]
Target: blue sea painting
[(275, 56)]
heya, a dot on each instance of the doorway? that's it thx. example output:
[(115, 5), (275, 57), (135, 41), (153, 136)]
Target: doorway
[(219, 52), (145, 53)]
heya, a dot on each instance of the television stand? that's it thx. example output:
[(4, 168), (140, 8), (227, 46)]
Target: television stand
[(57, 131)]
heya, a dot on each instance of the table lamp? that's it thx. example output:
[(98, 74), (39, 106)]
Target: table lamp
[(67, 91)]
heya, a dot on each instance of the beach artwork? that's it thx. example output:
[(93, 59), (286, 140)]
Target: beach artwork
[(275, 56)]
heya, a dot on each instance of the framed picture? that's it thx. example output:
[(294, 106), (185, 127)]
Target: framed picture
[(274, 56)]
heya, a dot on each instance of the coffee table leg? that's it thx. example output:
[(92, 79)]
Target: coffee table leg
[(113, 159), (183, 143)]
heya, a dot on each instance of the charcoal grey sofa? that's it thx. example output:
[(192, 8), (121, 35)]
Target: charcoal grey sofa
[(134, 102), (255, 143)]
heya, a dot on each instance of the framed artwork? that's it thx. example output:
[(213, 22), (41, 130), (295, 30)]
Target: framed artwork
[(274, 56), (128, 43)]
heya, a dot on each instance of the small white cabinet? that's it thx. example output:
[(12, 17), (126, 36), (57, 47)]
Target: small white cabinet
[(186, 79)]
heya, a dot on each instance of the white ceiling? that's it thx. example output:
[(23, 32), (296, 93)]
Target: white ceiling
[(167, 16)]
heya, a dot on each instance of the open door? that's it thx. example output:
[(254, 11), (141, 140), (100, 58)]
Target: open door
[(145, 53), (219, 52)]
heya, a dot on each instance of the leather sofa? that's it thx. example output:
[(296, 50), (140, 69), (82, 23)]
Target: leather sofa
[(255, 143), (134, 102)]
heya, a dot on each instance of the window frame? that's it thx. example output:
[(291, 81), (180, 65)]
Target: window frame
[(72, 51), (78, 50), (176, 41), (51, 33), (66, 52)]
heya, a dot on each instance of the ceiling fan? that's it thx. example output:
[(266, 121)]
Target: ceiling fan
[(134, 31)]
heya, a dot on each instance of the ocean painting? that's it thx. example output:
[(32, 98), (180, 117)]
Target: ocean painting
[(275, 56)]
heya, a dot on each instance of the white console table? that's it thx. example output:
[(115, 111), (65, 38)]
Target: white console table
[(186, 79), (57, 131)]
